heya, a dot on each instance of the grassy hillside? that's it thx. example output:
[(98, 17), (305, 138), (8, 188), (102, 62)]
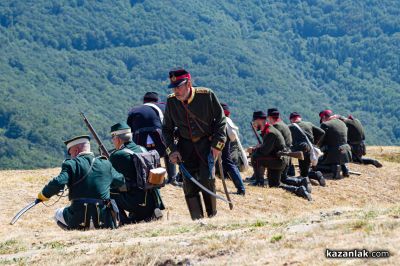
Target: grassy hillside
[(59, 57), (267, 226)]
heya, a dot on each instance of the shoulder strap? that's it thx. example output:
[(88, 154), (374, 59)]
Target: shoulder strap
[(87, 173), (160, 114), (304, 134), (127, 151)]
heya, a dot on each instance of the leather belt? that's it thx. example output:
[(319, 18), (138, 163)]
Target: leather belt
[(195, 139)]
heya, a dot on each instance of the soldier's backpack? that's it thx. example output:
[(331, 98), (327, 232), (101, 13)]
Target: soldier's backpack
[(315, 152), (144, 162)]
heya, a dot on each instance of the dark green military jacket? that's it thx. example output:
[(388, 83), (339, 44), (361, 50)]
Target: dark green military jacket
[(122, 161), (334, 143), (201, 116), (313, 133), (273, 142), (85, 181), (284, 129), (355, 134), (138, 202)]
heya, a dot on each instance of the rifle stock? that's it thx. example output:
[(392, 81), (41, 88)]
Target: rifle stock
[(294, 154), (103, 149)]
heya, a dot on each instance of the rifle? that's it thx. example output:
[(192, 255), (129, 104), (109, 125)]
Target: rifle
[(221, 172), (102, 148), (255, 133), (354, 173), (294, 154)]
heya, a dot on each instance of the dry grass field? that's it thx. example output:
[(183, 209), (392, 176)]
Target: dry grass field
[(267, 226)]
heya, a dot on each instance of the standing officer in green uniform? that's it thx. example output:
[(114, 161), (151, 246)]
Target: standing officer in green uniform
[(142, 204), (337, 153), (300, 143), (201, 124), (266, 155), (356, 138), (89, 180)]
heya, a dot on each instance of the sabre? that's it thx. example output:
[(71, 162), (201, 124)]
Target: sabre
[(24, 210), (191, 178)]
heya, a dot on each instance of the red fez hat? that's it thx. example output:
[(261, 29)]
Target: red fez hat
[(325, 113)]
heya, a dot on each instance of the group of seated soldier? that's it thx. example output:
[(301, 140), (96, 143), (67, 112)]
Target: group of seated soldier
[(105, 193), (340, 139)]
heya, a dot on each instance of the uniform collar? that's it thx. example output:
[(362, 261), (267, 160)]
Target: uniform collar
[(191, 95), (85, 153), (124, 145)]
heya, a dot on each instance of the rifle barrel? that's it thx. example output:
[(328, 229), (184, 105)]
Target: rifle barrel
[(255, 133), (103, 149)]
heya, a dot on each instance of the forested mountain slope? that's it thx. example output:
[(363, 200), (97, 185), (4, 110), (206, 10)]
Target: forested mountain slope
[(61, 57)]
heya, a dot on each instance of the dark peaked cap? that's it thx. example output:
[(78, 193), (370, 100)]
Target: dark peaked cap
[(273, 112), (178, 77), (259, 115)]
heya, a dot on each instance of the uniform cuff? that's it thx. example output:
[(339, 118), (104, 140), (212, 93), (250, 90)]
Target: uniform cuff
[(42, 197), (217, 144)]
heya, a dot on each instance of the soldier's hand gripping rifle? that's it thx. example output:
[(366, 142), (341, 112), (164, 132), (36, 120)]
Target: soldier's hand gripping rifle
[(294, 154), (103, 149)]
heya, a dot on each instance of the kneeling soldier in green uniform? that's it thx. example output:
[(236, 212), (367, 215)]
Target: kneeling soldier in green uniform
[(89, 180), (337, 153), (142, 204), (266, 155), (303, 134), (356, 138), (201, 123)]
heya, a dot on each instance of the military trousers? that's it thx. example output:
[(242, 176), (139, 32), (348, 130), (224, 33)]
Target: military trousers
[(195, 160), (230, 168), (140, 204)]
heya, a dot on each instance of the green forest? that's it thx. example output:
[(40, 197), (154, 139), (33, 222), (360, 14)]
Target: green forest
[(60, 57)]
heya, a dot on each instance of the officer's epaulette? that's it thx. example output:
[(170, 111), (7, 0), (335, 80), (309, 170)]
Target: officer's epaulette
[(171, 95), (203, 90), (66, 160)]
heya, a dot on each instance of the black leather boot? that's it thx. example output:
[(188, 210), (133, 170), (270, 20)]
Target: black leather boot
[(195, 207), (345, 170), (376, 163), (305, 182), (302, 192), (317, 175), (335, 169), (210, 203)]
